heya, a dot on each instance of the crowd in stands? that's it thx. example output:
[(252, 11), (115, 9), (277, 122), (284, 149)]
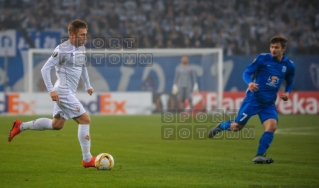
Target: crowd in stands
[(240, 27)]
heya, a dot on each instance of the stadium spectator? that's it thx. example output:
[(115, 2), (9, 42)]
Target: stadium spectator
[(233, 25)]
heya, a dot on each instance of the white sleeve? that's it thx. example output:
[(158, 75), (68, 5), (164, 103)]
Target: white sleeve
[(85, 78), (46, 70)]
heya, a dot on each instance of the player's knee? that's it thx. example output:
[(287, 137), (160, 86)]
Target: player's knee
[(58, 122), (270, 125), (83, 119), (57, 126), (271, 128), (87, 121)]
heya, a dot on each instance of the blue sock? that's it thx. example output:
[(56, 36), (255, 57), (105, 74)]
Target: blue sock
[(225, 125), (265, 142)]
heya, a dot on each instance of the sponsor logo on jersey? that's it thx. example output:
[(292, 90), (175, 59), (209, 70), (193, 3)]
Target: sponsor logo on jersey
[(273, 81)]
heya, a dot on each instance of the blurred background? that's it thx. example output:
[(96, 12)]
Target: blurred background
[(240, 28)]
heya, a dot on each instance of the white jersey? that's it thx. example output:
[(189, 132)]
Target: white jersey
[(69, 62)]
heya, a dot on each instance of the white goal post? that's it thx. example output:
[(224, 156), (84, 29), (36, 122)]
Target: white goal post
[(206, 56)]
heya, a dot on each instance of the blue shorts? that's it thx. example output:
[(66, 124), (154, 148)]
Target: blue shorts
[(250, 108)]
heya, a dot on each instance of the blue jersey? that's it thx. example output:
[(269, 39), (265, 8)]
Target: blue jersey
[(269, 74)]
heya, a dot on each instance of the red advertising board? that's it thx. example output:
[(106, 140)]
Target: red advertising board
[(298, 103)]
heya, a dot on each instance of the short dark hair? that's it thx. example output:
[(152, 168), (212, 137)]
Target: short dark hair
[(75, 25), (282, 40)]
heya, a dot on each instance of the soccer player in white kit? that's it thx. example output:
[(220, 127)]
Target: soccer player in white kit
[(68, 59)]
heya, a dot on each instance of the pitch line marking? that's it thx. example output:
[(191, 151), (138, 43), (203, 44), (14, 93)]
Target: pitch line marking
[(298, 131)]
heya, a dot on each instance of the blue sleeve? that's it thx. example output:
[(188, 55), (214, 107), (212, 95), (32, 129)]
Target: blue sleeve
[(251, 69), (290, 78)]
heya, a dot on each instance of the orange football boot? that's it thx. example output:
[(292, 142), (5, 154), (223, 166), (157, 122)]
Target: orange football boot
[(89, 164), (15, 129)]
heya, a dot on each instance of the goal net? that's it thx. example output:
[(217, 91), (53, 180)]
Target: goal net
[(127, 70)]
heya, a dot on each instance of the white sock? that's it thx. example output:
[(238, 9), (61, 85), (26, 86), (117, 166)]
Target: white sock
[(85, 141), (38, 124)]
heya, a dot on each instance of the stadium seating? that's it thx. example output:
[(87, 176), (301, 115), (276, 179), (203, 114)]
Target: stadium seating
[(240, 27)]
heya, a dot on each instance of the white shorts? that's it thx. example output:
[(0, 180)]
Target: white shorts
[(69, 107)]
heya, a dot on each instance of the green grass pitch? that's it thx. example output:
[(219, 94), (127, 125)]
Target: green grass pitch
[(144, 159)]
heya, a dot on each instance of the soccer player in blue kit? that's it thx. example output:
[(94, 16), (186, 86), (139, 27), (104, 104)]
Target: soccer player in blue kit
[(268, 71)]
